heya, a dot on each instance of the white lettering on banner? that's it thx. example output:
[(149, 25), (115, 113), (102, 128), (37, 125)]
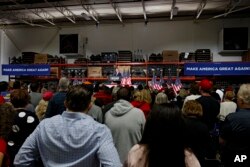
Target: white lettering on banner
[(7, 69), (226, 68), (43, 69), (208, 68), (241, 68), (192, 68), (18, 69), (31, 69), (240, 158)]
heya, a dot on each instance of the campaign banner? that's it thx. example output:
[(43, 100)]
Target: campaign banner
[(26, 69), (217, 68)]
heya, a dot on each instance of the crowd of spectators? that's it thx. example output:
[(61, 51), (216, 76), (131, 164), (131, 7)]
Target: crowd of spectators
[(92, 125)]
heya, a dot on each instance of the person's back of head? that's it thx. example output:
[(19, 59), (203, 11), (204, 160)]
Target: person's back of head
[(243, 96), (4, 86), (161, 98), (205, 86), (124, 94), (63, 84), (140, 87), (137, 96), (19, 98), (229, 95), (194, 89), (34, 86), (6, 120), (77, 99), (192, 108), (163, 135), (17, 85), (146, 96), (89, 87)]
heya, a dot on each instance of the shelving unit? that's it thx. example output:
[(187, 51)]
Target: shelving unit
[(145, 65), (224, 81)]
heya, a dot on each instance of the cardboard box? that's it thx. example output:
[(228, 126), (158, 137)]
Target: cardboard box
[(54, 72), (95, 72), (41, 59), (170, 55), (246, 56)]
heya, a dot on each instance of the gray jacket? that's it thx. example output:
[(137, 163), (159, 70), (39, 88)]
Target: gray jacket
[(126, 124)]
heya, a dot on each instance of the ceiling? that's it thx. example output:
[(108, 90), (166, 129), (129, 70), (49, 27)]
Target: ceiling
[(49, 13)]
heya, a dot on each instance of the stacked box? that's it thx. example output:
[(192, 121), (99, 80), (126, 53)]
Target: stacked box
[(170, 55), (108, 57), (187, 57), (28, 57), (246, 56), (41, 59), (124, 56), (95, 72), (155, 58), (203, 55)]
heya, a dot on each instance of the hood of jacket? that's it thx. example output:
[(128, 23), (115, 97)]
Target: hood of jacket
[(121, 107)]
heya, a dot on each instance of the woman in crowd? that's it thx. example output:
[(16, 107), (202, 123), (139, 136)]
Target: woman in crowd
[(43, 104), (196, 132), (24, 123), (142, 101), (161, 98), (162, 142), (227, 106), (6, 120)]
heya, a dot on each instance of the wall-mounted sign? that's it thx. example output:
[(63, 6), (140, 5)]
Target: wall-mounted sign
[(26, 69), (222, 68)]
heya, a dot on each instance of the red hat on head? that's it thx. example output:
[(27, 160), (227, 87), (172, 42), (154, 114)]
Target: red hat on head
[(47, 95), (206, 84)]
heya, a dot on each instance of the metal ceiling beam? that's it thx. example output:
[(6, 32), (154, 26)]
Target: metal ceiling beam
[(90, 11), (38, 12), (144, 11), (172, 9), (232, 5), (63, 10), (117, 12), (25, 19), (233, 11), (201, 8)]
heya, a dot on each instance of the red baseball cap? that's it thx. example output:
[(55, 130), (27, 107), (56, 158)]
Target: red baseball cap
[(206, 84), (47, 95)]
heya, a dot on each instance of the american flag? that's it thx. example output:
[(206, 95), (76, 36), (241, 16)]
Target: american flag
[(156, 84), (177, 85), (126, 78)]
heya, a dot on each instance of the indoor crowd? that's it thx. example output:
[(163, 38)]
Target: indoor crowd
[(88, 125)]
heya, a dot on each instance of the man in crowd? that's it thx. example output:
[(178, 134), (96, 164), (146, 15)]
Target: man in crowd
[(235, 132), (56, 104), (125, 122), (70, 139)]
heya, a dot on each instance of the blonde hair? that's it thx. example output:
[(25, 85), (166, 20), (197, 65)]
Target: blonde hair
[(41, 109), (142, 96), (161, 98), (192, 108), (137, 96), (244, 93), (146, 96)]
